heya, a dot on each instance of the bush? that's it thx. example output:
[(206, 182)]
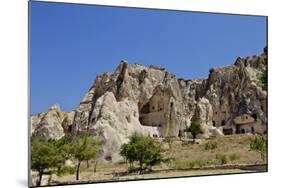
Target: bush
[(66, 170), (210, 145), (222, 159), (168, 140), (194, 129), (234, 157), (183, 165), (263, 79), (211, 70), (259, 145)]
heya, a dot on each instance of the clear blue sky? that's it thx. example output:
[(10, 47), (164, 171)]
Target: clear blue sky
[(71, 44)]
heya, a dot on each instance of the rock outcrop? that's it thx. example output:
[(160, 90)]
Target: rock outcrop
[(153, 101), (53, 124)]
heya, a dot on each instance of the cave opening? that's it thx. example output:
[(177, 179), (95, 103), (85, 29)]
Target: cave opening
[(255, 116), (145, 109)]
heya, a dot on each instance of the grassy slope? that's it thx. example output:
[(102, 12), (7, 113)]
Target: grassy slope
[(237, 145)]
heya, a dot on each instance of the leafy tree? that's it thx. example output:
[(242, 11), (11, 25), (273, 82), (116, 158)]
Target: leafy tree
[(84, 148), (194, 129), (142, 149), (259, 145), (43, 157), (63, 153)]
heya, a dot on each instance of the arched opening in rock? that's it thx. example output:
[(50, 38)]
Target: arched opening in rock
[(253, 130), (255, 116), (108, 158), (145, 108), (227, 131), (172, 104), (214, 123), (242, 131), (152, 113), (222, 122), (180, 133)]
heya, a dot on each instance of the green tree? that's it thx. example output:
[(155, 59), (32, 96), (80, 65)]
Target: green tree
[(43, 157), (194, 129), (259, 145), (142, 149), (84, 148), (62, 148)]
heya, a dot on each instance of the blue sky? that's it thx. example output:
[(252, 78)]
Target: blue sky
[(71, 44)]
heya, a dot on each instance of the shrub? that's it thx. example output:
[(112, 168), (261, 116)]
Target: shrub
[(183, 165), (263, 79), (222, 159), (210, 145), (66, 170), (211, 70), (234, 157), (259, 145), (194, 129), (168, 140)]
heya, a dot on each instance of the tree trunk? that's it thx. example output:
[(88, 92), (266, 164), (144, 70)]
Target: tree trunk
[(77, 171), (141, 166), (40, 178), (96, 164), (88, 165), (194, 137)]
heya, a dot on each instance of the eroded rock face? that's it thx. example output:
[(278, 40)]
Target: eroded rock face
[(153, 101), (53, 124)]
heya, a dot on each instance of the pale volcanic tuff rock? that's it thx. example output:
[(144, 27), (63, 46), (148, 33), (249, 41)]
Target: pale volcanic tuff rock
[(53, 124), (153, 101)]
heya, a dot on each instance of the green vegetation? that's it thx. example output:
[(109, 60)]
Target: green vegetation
[(66, 170), (263, 79), (84, 148), (168, 140), (183, 165), (231, 150), (144, 150), (234, 157), (194, 129), (222, 159), (210, 145), (49, 156), (44, 156), (259, 144)]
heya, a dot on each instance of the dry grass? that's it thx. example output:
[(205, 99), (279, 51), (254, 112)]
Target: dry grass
[(235, 148)]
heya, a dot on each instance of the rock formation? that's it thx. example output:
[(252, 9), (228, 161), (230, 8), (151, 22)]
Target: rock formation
[(153, 101)]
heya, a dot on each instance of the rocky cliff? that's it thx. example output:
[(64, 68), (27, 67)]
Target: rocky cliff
[(153, 101)]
